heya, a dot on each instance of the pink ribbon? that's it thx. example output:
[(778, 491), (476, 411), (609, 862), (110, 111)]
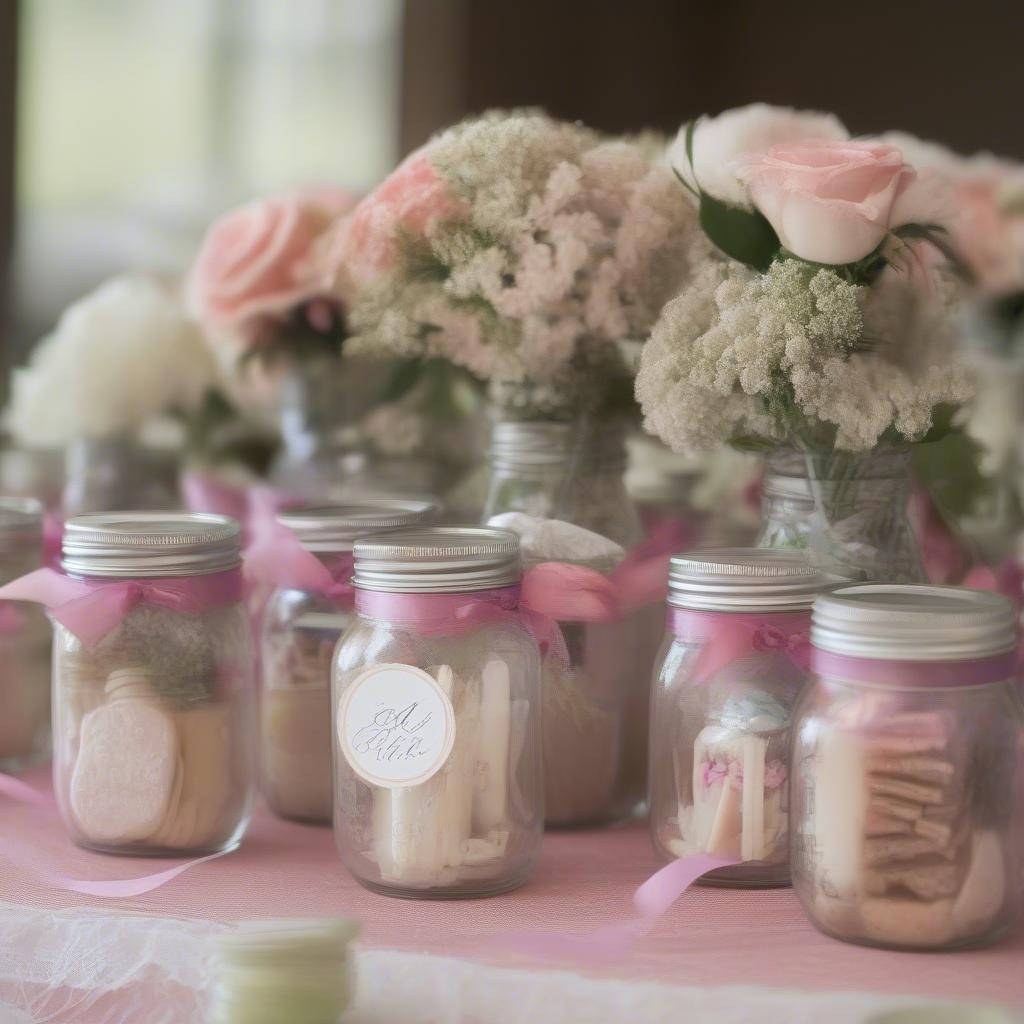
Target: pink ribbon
[(112, 888), (884, 672), (573, 593), (11, 620), (278, 559), (53, 538), (254, 507), (651, 902), (725, 637), (92, 608), (454, 614)]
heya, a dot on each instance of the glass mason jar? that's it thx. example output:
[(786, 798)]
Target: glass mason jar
[(908, 785), (596, 708), (731, 668), (153, 690), (843, 508), (437, 734), (310, 608), (115, 473), (321, 401), (25, 641)]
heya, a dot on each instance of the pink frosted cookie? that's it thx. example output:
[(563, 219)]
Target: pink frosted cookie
[(124, 775)]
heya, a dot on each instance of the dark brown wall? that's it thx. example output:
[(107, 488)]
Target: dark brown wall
[(951, 70)]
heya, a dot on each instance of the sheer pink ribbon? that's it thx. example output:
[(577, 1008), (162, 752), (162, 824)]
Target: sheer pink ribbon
[(53, 537), (651, 902), (254, 507), (944, 674), (92, 608), (725, 637), (111, 888), (453, 614), (278, 559)]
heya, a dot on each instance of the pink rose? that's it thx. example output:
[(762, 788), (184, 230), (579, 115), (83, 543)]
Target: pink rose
[(990, 239), (255, 262), (834, 202), (412, 199)]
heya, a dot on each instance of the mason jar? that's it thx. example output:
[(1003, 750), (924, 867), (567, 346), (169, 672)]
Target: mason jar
[(25, 640), (733, 662), (153, 689), (561, 486), (309, 609), (907, 789), (437, 735)]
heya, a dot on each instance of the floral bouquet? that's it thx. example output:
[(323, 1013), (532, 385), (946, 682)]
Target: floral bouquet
[(819, 325), (977, 474), (527, 251)]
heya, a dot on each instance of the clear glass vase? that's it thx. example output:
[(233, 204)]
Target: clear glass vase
[(843, 508), (114, 474), (595, 709), (319, 404)]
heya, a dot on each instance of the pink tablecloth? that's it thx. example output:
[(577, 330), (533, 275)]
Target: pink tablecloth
[(710, 937)]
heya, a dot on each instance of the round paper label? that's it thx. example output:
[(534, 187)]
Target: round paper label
[(396, 725)]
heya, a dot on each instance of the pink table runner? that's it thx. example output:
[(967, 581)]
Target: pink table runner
[(585, 880)]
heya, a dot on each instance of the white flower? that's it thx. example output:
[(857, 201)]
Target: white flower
[(797, 354), (119, 357), (718, 142)]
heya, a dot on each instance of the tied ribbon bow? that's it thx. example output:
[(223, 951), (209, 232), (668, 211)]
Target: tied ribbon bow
[(565, 592), (91, 609), (725, 637), (278, 559)]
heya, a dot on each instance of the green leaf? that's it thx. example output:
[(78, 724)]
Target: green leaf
[(743, 235)]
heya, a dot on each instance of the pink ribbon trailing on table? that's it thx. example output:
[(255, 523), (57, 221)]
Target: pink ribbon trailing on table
[(975, 672), (651, 902), (453, 614), (92, 608), (725, 637), (278, 559), (111, 888)]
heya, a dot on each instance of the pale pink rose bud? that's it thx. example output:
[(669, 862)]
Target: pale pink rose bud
[(255, 262), (834, 202)]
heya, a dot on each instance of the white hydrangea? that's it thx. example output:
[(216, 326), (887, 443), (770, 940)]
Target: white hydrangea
[(789, 355), (718, 142), (117, 359)]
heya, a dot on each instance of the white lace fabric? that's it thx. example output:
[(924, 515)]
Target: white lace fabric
[(93, 967)]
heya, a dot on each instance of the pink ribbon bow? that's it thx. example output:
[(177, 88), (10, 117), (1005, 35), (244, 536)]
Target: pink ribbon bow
[(92, 608), (573, 593), (278, 559), (725, 637)]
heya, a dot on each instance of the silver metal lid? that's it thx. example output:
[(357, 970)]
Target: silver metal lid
[(529, 444), (904, 622), (438, 560), (131, 544), (746, 579), (21, 522), (335, 527)]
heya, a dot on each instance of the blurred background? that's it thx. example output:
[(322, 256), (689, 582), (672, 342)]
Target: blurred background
[(126, 125)]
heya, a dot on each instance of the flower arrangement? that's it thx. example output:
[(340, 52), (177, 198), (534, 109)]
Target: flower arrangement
[(118, 358), (523, 249), (820, 315), (260, 282)]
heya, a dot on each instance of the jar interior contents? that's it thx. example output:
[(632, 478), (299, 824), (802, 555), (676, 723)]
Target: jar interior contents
[(25, 651), (729, 742), (473, 826), (153, 731), (595, 709), (904, 835), (296, 710)]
